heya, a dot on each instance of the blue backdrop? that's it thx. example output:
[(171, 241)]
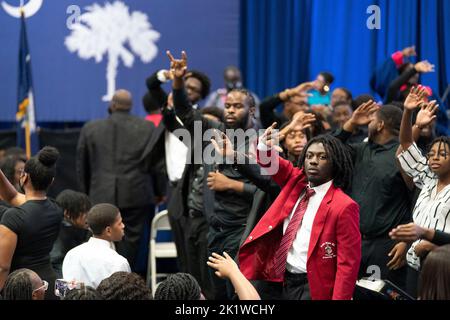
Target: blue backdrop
[(287, 42), (68, 88)]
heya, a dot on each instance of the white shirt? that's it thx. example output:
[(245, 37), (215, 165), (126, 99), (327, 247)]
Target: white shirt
[(298, 253), (93, 261), (432, 209), (176, 153)]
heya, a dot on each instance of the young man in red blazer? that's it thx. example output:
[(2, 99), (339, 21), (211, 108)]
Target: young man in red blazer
[(309, 238)]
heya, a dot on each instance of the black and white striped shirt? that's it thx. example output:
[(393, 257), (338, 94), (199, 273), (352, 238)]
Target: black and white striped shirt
[(431, 210)]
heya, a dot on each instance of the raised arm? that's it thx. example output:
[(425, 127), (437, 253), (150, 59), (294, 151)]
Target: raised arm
[(8, 193), (226, 268), (394, 86)]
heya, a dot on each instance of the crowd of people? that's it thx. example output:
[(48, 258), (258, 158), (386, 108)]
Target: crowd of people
[(297, 196)]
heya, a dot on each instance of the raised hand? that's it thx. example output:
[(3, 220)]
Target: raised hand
[(424, 67), (271, 138), (415, 98), (222, 144), (301, 89), (178, 67), (427, 114), (361, 116), (300, 119), (224, 265), (409, 51)]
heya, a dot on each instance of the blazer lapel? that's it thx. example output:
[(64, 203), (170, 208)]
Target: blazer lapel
[(319, 220)]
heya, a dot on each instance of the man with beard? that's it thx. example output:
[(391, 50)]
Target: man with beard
[(226, 196), (381, 189)]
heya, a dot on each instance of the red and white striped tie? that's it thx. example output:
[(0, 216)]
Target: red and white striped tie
[(290, 234)]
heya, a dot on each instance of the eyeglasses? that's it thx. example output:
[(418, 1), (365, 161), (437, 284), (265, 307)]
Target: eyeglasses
[(44, 286), (192, 88)]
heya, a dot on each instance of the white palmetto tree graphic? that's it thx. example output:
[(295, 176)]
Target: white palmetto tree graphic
[(107, 30)]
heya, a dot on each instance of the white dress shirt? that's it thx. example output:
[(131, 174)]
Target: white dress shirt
[(176, 153), (298, 253), (93, 261)]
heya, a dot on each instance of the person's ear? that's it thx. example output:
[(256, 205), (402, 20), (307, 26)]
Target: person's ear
[(34, 295), (380, 126), (108, 230)]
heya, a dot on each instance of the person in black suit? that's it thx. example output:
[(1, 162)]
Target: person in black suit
[(110, 169), (169, 155)]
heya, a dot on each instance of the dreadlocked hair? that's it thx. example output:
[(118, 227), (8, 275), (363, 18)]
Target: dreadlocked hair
[(18, 286), (339, 156), (178, 286), (124, 286), (85, 293)]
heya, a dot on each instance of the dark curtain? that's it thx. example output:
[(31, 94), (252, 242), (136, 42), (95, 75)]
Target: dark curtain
[(285, 42), (66, 143), (8, 139)]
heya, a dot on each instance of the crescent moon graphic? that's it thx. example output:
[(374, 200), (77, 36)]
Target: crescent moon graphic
[(29, 9)]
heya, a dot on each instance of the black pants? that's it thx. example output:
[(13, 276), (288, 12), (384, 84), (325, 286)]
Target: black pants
[(134, 220), (296, 287), (196, 231), (412, 284), (220, 240), (374, 261), (268, 290), (178, 225)]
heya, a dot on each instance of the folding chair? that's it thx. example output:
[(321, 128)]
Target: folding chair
[(160, 222)]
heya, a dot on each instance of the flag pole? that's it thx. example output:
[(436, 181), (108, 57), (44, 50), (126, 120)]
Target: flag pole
[(27, 140)]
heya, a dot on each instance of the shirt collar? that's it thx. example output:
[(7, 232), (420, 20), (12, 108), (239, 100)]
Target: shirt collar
[(102, 243), (322, 189), (391, 143)]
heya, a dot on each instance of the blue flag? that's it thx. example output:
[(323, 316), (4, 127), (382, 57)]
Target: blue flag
[(25, 117)]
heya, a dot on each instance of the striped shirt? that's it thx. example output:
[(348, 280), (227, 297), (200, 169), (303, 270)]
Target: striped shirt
[(432, 210)]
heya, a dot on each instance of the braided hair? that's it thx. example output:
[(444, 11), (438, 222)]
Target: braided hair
[(178, 286), (340, 157), (441, 140), (124, 286), (86, 293), (18, 286)]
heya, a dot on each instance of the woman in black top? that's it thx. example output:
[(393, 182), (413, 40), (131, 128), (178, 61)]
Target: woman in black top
[(29, 229)]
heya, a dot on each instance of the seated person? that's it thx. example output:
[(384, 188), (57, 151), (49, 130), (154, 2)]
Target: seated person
[(227, 268), (97, 259), (179, 286), (24, 284), (74, 229), (124, 286)]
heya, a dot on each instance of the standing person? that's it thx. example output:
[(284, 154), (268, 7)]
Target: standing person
[(227, 194), (29, 229), (168, 154), (97, 259), (431, 174), (233, 80), (309, 238), (109, 168), (381, 189)]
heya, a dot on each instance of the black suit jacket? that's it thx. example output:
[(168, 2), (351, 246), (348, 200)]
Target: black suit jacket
[(109, 160)]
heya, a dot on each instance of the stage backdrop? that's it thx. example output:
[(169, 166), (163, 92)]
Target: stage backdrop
[(289, 41), (76, 64)]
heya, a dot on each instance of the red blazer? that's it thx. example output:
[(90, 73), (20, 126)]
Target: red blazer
[(334, 251)]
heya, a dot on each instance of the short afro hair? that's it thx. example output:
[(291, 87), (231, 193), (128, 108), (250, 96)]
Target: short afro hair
[(392, 117), (204, 80), (101, 216)]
